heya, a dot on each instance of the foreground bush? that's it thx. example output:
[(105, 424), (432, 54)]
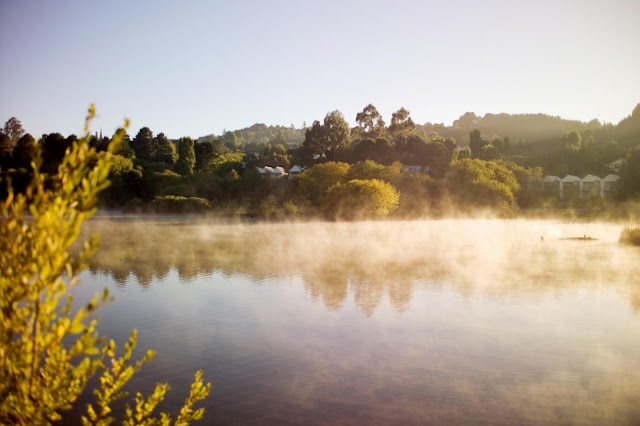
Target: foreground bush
[(48, 354)]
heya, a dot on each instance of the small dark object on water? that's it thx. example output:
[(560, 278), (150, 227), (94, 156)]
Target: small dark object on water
[(583, 238)]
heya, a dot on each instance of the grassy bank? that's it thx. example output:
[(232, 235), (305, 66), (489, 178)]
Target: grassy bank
[(630, 235)]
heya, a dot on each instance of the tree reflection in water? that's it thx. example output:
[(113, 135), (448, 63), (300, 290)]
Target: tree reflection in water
[(368, 261)]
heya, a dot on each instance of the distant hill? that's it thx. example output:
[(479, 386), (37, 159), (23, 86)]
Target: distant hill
[(525, 128), (627, 132), (541, 130), (260, 134)]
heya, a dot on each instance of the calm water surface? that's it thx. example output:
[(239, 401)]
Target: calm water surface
[(434, 322)]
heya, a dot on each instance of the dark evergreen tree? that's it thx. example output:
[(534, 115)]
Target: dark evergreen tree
[(144, 145), (475, 143), (24, 151), (125, 148), (166, 152), (6, 150), (186, 156), (314, 139), (54, 146)]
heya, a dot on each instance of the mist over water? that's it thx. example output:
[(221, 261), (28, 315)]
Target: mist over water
[(441, 322)]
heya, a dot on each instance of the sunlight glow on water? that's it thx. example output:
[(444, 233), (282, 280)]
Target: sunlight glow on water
[(440, 322)]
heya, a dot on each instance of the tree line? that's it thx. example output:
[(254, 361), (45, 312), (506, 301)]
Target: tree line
[(363, 164)]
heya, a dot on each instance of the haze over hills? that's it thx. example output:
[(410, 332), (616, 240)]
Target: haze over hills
[(526, 129)]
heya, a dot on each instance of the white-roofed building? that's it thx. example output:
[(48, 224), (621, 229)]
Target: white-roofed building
[(551, 185), (277, 172), (411, 170), (591, 186), (616, 166), (295, 171), (570, 186), (271, 172), (610, 185)]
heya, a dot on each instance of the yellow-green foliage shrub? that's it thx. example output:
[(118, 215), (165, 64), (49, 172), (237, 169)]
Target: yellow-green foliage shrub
[(316, 182), (362, 198), (48, 354), (478, 184)]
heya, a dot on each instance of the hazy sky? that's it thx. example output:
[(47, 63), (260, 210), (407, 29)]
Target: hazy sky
[(191, 68)]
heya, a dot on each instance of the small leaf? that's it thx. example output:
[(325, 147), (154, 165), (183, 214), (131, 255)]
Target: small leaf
[(77, 328), (92, 351)]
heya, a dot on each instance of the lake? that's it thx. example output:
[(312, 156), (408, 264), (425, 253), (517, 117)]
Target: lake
[(421, 322)]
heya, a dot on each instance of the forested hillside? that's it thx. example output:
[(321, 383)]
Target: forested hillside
[(257, 135), (519, 128)]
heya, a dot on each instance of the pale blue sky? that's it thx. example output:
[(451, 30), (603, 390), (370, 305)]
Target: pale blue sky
[(191, 68)]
